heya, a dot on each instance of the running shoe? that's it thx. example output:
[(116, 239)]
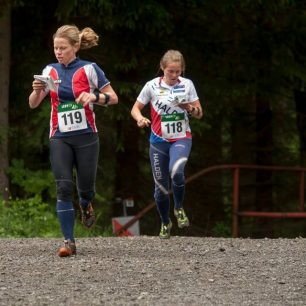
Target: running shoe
[(182, 219), (88, 216), (68, 249), (165, 230)]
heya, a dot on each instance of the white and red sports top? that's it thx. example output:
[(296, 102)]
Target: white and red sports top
[(168, 121), (67, 117)]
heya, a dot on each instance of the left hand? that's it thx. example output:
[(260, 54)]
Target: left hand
[(193, 109), (85, 97), (186, 106)]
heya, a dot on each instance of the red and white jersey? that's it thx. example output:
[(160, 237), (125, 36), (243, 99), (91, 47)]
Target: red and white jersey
[(67, 117), (168, 121)]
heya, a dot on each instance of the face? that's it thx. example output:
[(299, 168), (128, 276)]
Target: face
[(171, 72), (64, 51)]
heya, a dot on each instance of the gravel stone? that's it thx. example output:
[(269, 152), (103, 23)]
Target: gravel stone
[(146, 270)]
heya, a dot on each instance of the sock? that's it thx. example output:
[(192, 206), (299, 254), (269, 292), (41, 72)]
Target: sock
[(65, 213)]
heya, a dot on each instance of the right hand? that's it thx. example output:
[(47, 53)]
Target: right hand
[(38, 86), (143, 122)]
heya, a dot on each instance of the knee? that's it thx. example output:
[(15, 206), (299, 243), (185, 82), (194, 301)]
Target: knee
[(64, 190), (178, 179), (177, 171)]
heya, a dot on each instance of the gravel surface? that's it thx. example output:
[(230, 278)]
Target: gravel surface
[(148, 271)]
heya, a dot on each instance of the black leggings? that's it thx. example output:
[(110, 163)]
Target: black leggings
[(80, 152)]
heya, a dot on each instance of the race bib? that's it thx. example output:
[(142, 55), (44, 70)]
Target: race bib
[(71, 117), (173, 126)]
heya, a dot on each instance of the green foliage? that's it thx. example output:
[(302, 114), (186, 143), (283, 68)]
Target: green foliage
[(33, 218), (222, 229), (27, 218), (32, 182)]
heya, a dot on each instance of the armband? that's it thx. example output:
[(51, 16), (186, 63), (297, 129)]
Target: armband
[(107, 98), (97, 94)]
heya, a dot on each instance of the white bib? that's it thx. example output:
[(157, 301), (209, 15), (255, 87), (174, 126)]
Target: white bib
[(71, 117), (173, 126)]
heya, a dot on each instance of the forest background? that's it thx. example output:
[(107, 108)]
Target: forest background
[(247, 61)]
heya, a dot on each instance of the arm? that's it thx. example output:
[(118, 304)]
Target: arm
[(137, 115), (106, 96), (38, 93)]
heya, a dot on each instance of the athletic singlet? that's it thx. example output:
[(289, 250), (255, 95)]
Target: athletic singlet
[(169, 122), (67, 117)]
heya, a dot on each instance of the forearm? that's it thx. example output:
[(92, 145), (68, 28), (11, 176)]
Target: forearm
[(138, 117), (36, 98), (136, 114), (106, 98)]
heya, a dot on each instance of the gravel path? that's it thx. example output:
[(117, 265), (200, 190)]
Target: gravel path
[(148, 271)]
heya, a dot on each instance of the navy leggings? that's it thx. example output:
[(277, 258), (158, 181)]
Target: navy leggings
[(81, 153), (168, 160)]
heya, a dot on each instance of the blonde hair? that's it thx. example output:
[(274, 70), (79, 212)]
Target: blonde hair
[(87, 38), (172, 56)]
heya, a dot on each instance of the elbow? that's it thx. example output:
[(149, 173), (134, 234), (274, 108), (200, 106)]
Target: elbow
[(31, 105)]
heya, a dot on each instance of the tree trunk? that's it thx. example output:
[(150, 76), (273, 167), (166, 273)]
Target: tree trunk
[(300, 103), (5, 41)]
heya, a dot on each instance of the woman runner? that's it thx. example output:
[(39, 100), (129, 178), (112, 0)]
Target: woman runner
[(172, 99), (74, 86)]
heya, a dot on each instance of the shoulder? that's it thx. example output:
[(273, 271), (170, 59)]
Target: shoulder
[(79, 63), (187, 83), (153, 83), (184, 80), (53, 65)]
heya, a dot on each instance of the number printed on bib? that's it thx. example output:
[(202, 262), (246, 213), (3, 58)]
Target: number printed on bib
[(71, 117), (173, 126)]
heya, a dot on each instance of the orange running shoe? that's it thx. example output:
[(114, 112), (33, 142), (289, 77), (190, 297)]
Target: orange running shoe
[(68, 249)]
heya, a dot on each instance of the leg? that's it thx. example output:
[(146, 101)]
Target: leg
[(159, 158), (179, 153), (87, 154), (62, 170)]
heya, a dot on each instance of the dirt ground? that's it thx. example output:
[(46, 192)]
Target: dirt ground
[(148, 271)]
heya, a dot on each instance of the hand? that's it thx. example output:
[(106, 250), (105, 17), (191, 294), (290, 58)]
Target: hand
[(186, 106), (85, 97), (38, 86), (143, 122)]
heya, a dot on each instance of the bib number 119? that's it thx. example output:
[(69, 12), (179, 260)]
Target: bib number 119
[(71, 117)]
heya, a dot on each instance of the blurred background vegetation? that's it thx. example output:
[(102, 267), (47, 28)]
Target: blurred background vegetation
[(247, 61)]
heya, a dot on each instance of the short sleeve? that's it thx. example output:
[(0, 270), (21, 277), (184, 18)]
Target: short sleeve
[(145, 95)]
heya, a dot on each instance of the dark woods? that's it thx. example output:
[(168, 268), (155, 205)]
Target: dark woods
[(248, 64)]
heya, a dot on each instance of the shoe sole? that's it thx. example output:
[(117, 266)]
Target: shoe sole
[(183, 225), (65, 252)]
